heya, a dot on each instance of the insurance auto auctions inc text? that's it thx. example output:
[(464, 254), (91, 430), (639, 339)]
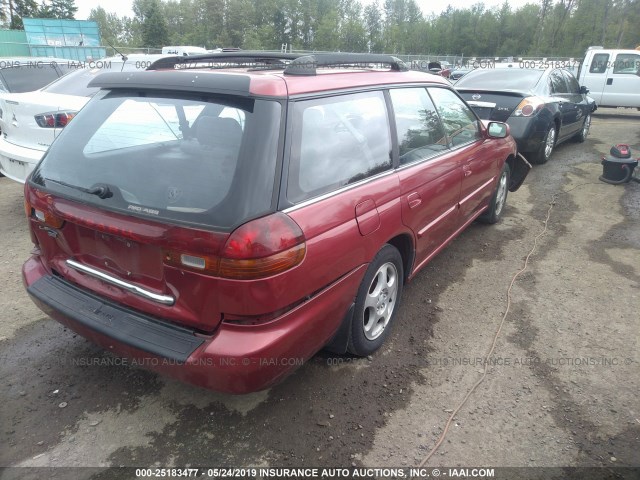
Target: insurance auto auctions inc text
[(337, 472)]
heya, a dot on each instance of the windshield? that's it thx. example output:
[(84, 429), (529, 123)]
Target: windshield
[(192, 159), (500, 79)]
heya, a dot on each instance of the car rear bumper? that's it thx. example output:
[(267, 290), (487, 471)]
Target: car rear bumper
[(235, 359), (528, 132), (18, 162)]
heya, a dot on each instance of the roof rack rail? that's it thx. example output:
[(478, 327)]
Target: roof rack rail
[(307, 64), (237, 58)]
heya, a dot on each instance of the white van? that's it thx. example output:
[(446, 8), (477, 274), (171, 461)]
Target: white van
[(183, 50), (612, 76)]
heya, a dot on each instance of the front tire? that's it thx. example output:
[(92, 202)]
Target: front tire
[(377, 302), (546, 148), (499, 198)]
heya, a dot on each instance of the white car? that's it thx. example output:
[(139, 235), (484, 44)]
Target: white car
[(31, 121)]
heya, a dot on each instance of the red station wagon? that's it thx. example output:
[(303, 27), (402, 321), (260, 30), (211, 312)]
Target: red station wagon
[(221, 218)]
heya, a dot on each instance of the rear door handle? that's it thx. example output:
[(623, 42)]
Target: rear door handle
[(609, 81)]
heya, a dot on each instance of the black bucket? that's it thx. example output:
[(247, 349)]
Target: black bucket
[(617, 168)]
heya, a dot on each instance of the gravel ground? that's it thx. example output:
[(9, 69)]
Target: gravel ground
[(561, 387)]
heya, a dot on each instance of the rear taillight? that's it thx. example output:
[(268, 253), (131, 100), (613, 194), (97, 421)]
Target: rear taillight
[(529, 106), (54, 119), (42, 213), (258, 249)]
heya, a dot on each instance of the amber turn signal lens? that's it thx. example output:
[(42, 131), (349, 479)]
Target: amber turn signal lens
[(254, 268)]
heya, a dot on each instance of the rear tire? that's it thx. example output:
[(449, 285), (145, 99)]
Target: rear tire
[(377, 302), (584, 132), (546, 148), (499, 198)]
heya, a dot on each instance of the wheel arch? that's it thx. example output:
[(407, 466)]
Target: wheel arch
[(403, 242)]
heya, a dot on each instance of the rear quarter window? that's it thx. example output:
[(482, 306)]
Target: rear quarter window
[(557, 83), (337, 141)]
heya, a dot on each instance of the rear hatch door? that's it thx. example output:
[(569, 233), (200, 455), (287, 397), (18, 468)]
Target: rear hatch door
[(149, 186)]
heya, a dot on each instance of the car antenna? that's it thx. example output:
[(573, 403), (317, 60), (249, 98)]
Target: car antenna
[(124, 57)]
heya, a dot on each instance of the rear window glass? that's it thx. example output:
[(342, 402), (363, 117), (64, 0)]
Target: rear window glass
[(26, 78), (75, 83), (336, 142), (206, 161), (500, 79)]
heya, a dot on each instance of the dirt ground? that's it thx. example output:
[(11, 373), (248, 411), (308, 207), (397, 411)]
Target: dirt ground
[(562, 387)]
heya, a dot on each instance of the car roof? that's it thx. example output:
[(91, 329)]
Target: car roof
[(268, 74)]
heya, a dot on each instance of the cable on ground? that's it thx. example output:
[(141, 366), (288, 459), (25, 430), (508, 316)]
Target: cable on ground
[(554, 197)]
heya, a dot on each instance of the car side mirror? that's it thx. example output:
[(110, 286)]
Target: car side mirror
[(584, 90), (498, 130)]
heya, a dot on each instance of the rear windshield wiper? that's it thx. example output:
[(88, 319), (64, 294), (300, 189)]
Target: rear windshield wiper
[(100, 190)]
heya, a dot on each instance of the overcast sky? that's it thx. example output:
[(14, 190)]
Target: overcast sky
[(123, 7)]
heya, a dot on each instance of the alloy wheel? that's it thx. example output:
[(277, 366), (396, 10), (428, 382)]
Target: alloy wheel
[(380, 301)]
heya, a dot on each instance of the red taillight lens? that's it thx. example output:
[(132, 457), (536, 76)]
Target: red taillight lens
[(528, 106), (527, 110), (258, 249), (54, 119), (263, 237), (262, 248)]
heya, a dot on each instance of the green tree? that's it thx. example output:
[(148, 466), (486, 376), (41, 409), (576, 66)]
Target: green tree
[(110, 25), (373, 25), (237, 22), (58, 9), (353, 33), (154, 26), (540, 28), (21, 9), (327, 34)]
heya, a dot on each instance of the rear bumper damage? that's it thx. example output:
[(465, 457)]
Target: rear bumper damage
[(235, 359)]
